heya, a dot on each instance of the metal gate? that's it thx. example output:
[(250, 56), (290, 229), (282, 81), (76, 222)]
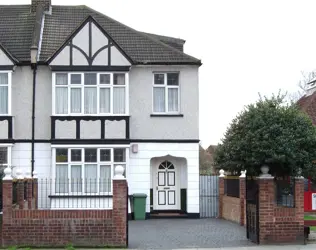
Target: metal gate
[(252, 209), (209, 194)]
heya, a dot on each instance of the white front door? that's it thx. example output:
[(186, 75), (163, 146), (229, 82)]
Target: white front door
[(166, 187)]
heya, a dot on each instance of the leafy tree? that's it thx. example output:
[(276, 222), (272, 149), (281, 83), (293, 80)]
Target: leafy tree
[(269, 132)]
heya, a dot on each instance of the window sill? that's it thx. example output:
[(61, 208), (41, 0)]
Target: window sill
[(166, 115), (80, 196)]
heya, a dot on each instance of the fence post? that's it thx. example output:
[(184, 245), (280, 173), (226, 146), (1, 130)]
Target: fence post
[(29, 191), (120, 206), (221, 192), (299, 205), (242, 196), (20, 189), (7, 196)]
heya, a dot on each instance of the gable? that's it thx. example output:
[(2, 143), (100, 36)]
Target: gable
[(4, 59), (90, 45)]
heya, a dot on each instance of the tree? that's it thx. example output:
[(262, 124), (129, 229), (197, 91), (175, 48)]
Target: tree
[(307, 77), (269, 132)]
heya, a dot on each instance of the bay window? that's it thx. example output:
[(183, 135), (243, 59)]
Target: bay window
[(90, 93), (86, 170), (166, 93), (5, 84), (5, 156)]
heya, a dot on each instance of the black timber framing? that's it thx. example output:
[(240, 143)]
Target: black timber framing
[(78, 120), (9, 120)]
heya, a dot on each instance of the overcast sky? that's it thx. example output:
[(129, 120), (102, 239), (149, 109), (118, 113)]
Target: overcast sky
[(246, 46)]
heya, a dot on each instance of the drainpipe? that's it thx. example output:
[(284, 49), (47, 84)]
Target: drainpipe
[(34, 51)]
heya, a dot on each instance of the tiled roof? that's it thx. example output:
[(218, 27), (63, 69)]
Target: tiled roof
[(17, 24), (307, 104)]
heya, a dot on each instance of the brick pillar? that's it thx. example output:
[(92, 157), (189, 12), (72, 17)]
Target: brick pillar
[(6, 197), (20, 193), (266, 209), (242, 198), (299, 207), (29, 192), (120, 208), (35, 191), (221, 193)]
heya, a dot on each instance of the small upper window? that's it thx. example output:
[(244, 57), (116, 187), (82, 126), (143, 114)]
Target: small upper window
[(4, 93), (166, 93)]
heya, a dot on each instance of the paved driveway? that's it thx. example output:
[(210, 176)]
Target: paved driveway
[(185, 233)]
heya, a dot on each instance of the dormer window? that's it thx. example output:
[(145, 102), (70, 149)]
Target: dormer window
[(90, 93), (166, 93)]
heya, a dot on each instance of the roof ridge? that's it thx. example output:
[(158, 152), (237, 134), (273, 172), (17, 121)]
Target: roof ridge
[(144, 35)]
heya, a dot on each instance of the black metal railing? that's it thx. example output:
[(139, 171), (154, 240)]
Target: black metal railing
[(231, 187), (285, 191), (74, 193)]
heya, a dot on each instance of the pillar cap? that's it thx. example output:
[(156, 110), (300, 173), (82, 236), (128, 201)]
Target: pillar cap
[(118, 173), (243, 174), (7, 174), (221, 173)]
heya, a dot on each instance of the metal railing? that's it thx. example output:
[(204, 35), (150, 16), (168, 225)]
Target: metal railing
[(285, 191), (231, 186)]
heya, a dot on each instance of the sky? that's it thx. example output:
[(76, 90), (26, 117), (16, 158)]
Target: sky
[(246, 46)]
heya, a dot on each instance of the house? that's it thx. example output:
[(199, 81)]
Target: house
[(81, 93)]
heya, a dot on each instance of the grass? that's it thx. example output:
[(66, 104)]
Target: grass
[(310, 217)]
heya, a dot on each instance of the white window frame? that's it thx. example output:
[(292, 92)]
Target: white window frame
[(9, 92), (98, 86), (167, 87), (82, 163)]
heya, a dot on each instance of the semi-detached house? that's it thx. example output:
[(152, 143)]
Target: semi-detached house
[(81, 93)]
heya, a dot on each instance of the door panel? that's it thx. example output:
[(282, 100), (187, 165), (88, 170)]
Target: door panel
[(166, 187)]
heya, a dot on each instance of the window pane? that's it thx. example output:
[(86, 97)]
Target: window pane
[(3, 155), (3, 99), (75, 78), (75, 102), (105, 78), (61, 104), (76, 155), (61, 178), (173, 79), (159, 79), (105, 155), (119, 155), (90, 178), (119, 100), (105, 178), (90, 79), (76, 181), (61, 155), (159, 99), (61, 79), (90, 155), (173, 99), (119, 79), (105, 100), (90, 100)]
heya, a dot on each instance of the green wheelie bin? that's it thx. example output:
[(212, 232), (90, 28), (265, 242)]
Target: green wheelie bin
[(139, 204)]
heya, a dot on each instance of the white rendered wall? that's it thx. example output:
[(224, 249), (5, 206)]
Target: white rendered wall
[(139, 170)]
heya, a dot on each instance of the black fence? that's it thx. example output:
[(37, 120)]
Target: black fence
[(285, 191), (231, 187), (75, 193)]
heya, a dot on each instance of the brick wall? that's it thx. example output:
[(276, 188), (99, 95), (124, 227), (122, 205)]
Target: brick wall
[(231, 208), (57, 228), (280, 224)]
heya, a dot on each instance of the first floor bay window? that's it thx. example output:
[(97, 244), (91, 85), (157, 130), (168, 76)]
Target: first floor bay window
[(5, 78), (86, 170), (90, 93)]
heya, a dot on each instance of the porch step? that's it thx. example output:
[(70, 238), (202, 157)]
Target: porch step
[(168, 216)]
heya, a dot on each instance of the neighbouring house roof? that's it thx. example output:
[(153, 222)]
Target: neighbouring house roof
[(307, 104), (17, 24)]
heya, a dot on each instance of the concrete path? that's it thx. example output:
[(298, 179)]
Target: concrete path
[(186, 233)]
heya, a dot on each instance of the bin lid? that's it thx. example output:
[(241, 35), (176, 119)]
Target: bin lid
[(140, 195)]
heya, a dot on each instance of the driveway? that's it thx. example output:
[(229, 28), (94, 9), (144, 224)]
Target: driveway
[(186, 233)]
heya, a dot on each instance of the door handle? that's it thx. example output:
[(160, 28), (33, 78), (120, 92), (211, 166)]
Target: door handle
[(156, 187)]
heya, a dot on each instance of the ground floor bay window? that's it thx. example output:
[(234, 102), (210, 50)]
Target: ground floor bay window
[(86, 170)]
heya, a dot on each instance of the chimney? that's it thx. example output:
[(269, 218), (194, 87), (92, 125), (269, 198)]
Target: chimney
[(45, 3)]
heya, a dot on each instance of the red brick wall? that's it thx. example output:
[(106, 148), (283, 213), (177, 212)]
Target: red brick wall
[(231, 208), (221, 196), (280, 224), (57, 228)]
